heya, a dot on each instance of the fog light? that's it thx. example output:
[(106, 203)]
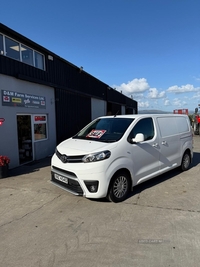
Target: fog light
[(92, 186)]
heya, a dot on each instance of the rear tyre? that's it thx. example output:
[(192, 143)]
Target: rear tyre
[(185, 161), (119, 187)]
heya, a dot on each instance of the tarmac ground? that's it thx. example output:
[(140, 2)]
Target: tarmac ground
[(42, 225)]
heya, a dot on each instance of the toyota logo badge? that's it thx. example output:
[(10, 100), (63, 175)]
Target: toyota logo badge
[(63, 158)]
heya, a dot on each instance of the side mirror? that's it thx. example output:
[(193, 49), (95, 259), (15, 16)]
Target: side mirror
[(138, 138)]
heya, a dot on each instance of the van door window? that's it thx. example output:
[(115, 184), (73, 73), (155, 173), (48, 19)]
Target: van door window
[(144, 126)]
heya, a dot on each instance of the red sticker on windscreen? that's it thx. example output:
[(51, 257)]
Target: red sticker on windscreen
[(96, 133)]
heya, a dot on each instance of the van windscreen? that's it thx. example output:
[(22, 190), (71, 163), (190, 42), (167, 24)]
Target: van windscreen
[(105, 129)]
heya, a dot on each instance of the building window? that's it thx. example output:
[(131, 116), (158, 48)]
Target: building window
[(40, 127), (1, 44), (27, 55), (39, 61), (12, 49), (18, 51)]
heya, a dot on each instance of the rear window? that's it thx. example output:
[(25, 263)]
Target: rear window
[(105, 129)]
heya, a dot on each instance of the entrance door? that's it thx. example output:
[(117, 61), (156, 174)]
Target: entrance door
[(24, 138)]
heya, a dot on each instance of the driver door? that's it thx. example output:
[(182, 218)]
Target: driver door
[(145, 155)]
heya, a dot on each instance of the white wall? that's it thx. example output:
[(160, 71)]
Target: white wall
[(8, 131), (98, 108), (123, 110)]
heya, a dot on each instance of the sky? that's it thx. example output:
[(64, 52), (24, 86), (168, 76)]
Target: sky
[(147, 49)]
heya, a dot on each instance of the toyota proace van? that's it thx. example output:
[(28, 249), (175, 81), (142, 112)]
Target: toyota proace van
[(112, 154)]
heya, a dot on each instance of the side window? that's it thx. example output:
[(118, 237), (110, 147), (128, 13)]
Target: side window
[(144, 126), (167, 126)]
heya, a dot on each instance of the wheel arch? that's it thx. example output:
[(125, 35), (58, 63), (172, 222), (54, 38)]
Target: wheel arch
[(188, 150), (186, 160), (118, 171)]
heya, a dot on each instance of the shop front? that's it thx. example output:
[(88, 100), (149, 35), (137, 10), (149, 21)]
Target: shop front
[(28, 132)]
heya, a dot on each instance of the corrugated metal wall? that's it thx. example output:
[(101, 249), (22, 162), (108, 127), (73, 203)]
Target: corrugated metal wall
[(73, 112), (58, 73), (116, 97)]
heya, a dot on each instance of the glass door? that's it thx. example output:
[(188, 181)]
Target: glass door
[(24, 138)]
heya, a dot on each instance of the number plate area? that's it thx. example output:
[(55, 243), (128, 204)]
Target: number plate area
[(61, 178)]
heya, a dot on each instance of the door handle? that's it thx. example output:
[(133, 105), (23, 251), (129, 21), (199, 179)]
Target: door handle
[(164, 142), (155, 145)]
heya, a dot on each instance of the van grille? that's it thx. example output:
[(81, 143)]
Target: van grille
[(69, 159)]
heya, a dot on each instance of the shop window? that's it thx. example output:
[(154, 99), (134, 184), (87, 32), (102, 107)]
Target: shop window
[(40, 127), (12, 49), (27, 55)]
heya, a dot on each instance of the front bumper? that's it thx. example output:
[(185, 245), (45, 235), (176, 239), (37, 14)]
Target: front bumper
[(78, 184), (72, 186)]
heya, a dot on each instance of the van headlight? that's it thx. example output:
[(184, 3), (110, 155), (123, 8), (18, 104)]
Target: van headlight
[(96, 156)]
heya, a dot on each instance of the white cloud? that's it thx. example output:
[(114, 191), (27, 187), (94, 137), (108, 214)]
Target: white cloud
[(182, 89), (167, 102), (154, 93), (196, 78), (134, 86), (178, 102), (143, 104), (197, 95), (151, 97), (138, 96)]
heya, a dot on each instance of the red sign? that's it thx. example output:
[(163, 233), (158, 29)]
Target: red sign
[(96, 133), (6, 98), (40, 118), (1, 121), (181, 111)]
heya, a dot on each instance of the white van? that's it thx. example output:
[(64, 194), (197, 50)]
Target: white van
[(112, 154)]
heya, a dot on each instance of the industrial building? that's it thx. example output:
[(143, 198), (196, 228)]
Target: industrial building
[(45, 99)]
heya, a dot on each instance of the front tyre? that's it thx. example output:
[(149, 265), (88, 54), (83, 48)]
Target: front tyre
[(186, 160), (119, 187)]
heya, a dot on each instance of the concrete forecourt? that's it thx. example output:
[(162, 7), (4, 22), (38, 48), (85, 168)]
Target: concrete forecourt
[(43, 225)]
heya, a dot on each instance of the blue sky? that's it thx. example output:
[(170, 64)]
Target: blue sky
[(147, 49)]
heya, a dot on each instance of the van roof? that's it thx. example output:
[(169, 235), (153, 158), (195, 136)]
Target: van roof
[(134, 116)]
